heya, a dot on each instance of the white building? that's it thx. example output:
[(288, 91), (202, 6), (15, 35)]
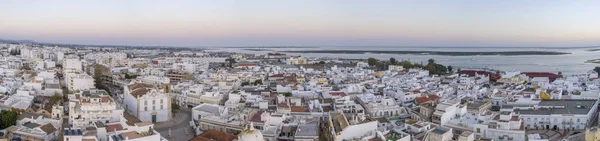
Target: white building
[(217, 117), (79, 81), (88, 107), (505, 126), (147, 103), (439, 134), (559, 114), (72, 65), (21, 100), (38, 129), (444, 111), (385, 107), (349, 128), (155, 81)]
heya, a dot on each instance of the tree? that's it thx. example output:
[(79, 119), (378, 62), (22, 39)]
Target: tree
[(430, 61), (597, 69), (286, 94), (231, 61), (127, 76), (55, 98), (380, 65), (321, 62), (440, 69), (7, 119), (406, 64), (388, 63), (258, 82), (174, 107), (372, 61), (560, 74), (393, 61), (245, 83), (449, 68), (15, 52), (97, 76), (434, 68), (417, 65)]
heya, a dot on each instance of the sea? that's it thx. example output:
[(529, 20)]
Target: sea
[(568, 64)]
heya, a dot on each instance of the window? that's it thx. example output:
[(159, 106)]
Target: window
[(478, 130), (161, 101), (161, 107), (145, 102), (153, 107), (145, 108), (153, 101)]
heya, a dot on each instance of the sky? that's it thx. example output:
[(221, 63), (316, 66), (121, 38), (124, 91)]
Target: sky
[(539, 23)]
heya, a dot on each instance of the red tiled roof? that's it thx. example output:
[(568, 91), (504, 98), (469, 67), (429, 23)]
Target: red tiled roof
[(421, 99), (298, 109), (277, 75), (257, 117), (48, 128), (246, 64), (550, 75), (214, 135), (514, 118), (106, 99), (337, 94), (432, 97), (114, 127), (283, 105)]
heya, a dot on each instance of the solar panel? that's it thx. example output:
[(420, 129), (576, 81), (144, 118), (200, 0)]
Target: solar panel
[(115, 138), (121, 137), (78, 131), (66, 132), (72, 132)]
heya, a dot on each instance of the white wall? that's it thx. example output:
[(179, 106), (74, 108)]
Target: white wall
[(356, 131)]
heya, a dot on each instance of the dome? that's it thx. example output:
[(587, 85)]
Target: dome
[(378, 74), (250, 135)]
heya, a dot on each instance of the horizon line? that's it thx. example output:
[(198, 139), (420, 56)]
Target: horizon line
[(3, 40)]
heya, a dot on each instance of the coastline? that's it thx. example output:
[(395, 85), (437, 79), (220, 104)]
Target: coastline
[(443, 53)]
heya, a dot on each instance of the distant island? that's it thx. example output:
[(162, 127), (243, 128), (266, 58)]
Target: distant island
[(257, 49), (597, 61), (597, 49), (272, 47), (444, 53)]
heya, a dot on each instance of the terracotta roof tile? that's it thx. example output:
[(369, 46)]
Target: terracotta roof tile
[(114, 127), (131, 120), (106, 99), (214, 135), (257, 117), (48, 128), (422, 99), (298, 109)]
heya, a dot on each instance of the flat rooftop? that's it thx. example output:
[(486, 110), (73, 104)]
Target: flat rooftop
[(307, 130), (568, 106)]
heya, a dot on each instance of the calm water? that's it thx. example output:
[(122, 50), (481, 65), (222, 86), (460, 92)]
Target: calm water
[(573, 63)]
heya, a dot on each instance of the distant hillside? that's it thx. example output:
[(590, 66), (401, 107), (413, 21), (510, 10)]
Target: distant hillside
[(18, 41)]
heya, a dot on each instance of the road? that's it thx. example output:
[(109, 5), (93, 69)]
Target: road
[(179, 125)]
